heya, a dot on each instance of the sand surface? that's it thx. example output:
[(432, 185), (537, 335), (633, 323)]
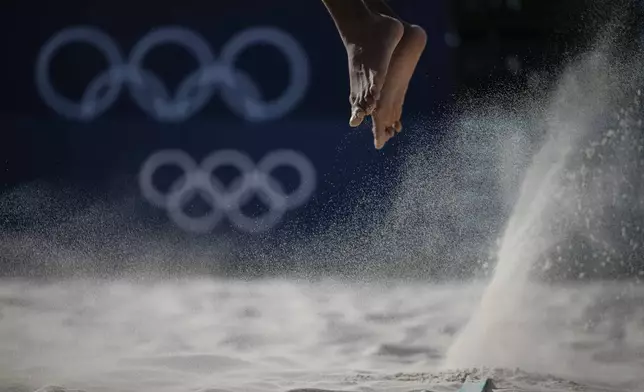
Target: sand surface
[(203, 334)]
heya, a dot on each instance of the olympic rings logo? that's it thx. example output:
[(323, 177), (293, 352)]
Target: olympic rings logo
[(227, 201), (239, 92)]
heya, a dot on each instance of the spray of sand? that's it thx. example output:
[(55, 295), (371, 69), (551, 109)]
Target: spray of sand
[(582, 179)]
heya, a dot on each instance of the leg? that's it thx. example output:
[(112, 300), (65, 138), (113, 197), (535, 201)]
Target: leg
[(370, 39), (386, 118)]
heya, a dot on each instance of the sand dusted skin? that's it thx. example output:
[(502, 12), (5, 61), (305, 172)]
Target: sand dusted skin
[(382, 53)]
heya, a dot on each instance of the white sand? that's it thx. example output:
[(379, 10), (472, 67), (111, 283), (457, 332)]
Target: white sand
[(279, 335)]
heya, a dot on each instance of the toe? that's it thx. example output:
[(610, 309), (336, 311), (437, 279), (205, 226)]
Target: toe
[(357, 109), (381, 133), (357, 115), (371, 99), (398, 126)]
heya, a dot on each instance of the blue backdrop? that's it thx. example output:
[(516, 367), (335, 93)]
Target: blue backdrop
[(41, 142)]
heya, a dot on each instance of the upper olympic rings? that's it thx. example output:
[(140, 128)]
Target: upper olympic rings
[(239, 91)]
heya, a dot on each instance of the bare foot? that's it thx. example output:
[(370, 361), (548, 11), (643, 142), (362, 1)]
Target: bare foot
[(386, 117), (369, 51)]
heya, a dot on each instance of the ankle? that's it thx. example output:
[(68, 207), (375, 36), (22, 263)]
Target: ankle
[(360, 29), (348, 13)]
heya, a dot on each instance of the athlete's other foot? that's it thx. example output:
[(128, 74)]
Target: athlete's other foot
[(386, 117), (369, 49)]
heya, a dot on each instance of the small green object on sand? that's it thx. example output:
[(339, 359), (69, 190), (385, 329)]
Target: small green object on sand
[(479, 386)]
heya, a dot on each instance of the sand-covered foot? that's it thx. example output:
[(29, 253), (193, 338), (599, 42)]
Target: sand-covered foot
[(369, 51), (386, 117)]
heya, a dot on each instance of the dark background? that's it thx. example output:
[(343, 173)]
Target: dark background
[(472, 47)]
